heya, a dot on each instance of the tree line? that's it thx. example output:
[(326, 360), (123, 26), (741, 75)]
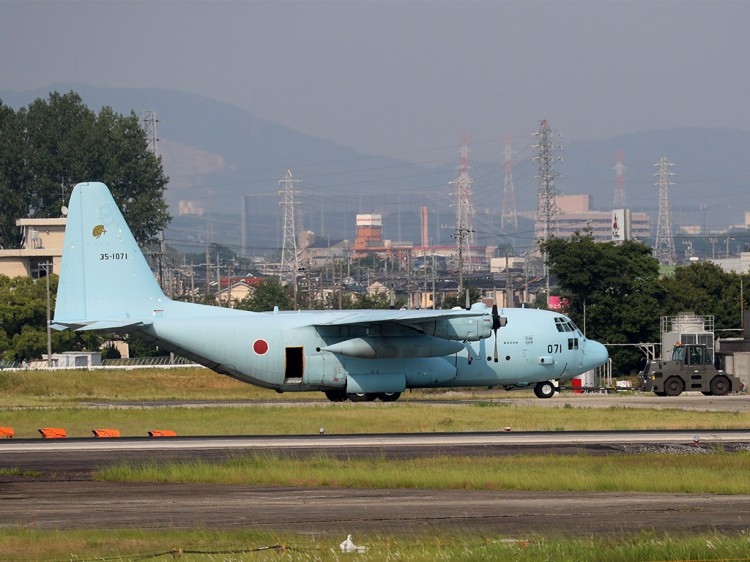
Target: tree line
[(49, 146), (618, 295)]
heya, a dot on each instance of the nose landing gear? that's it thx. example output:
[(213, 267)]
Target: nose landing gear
[(544, 389)]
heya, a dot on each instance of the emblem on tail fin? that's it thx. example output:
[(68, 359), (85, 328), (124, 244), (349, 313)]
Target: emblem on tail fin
[(99, 230)]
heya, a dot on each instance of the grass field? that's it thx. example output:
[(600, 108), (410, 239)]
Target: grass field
[(705, 473), (348, 418), (30, 400), (241, 545)]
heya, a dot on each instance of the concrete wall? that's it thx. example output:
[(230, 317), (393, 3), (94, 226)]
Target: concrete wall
[(738, 364)]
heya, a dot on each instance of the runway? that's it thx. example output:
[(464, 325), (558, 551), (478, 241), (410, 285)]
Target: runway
[(550, 439), (65, 497), (339, 511)]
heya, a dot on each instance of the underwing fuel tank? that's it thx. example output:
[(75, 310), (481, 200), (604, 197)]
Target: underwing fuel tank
[(395, 347)]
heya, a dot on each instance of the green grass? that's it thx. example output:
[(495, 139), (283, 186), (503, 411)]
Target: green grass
[(241, 545), (348, 418), (45, 388), (712, 473)]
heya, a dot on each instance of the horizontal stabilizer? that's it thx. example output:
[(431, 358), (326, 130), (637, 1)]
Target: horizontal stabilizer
[(98, 325)]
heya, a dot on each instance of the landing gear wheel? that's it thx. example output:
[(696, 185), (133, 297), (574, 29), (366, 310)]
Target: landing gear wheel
[(720, 386), (336, 395), (544, 389), (361, 397), (674, 386), (389, 396)]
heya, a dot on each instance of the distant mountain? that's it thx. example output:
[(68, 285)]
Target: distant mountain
[(220, 158)]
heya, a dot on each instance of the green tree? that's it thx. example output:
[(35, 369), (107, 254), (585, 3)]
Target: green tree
[(23, 321), (269, 293), (613, 290), (460, 300), (376, 301), (51, 145), (705, 288)]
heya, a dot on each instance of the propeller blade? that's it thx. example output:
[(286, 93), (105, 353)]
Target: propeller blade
[(495, 318)]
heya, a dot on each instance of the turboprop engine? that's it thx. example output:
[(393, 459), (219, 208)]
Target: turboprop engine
[(461, 328)]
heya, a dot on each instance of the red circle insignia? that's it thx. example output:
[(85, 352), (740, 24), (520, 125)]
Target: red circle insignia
[(260, 347)]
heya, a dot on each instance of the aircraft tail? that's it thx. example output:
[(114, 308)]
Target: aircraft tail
[(105, 282)]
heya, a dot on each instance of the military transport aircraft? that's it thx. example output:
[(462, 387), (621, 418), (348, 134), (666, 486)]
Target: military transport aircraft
[(106, 284)]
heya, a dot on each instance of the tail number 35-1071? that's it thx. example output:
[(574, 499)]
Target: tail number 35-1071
[(113, 256)]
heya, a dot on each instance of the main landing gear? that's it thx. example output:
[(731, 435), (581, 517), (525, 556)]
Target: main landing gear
[(544, 389), (341, 396)]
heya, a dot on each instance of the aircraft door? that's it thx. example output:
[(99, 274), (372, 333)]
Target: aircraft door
[(294, 364)]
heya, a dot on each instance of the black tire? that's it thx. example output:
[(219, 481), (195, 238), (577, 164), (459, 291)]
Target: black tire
[(361, 397), (336, 395), (660, 393), (544, 389), (720, 386), (389, 396), (674, 386)]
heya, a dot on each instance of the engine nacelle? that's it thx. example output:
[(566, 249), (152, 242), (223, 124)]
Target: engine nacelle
[(461, 328)]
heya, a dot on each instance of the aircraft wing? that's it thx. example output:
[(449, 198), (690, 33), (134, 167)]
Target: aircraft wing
[(475, 324)]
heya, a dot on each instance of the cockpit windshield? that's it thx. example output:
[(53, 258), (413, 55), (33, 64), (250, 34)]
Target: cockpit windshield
[(565, 324)]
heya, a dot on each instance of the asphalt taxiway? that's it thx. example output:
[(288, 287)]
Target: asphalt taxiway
[(63, 495)]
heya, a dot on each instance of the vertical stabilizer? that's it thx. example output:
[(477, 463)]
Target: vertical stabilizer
[(104, 276)]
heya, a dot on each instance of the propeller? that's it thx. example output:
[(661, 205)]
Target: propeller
[(497, 322)]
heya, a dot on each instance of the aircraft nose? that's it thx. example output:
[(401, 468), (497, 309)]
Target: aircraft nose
[(594, 355)]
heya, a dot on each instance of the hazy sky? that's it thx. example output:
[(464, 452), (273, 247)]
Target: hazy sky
[(398, 78)]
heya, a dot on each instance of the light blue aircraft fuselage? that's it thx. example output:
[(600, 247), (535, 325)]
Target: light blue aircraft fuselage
[(106, 284)]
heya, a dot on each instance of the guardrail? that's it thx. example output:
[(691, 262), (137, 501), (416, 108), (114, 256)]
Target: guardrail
[(147, 361), (161, 362)]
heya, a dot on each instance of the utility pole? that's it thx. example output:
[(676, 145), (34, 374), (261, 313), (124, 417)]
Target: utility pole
[(510, 301), (47, 266), (208, 272), (434, 282), (526, 267), (152, 141), (726, 253), (664, 250)]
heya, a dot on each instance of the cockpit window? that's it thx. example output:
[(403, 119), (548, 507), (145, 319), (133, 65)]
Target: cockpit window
[(564, 324)]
